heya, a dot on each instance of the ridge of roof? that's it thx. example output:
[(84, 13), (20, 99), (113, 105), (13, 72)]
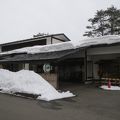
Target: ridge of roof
[(34, 38)]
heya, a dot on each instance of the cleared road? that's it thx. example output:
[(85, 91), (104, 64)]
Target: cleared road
[(90, 104)]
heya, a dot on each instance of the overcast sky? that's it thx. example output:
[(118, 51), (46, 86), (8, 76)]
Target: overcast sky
[(20, 19)]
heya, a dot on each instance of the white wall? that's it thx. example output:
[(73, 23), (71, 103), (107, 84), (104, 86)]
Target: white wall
[(56, 41), (53, 41)]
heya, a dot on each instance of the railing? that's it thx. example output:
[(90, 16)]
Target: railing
[(104, 81)]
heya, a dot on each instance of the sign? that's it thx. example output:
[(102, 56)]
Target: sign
[(46, 67)]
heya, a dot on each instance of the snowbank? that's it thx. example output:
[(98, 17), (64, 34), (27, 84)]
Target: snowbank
[(111, 88), (25, 81)]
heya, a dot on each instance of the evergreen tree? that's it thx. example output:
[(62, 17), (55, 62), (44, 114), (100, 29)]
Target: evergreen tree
[(105, 22), (113, 25)]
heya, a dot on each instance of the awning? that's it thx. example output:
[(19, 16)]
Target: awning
[(57, 55)]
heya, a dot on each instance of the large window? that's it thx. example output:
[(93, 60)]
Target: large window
[(13, 67), (111, 70)]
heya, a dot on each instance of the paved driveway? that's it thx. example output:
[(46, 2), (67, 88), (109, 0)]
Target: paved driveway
[(90, 104)]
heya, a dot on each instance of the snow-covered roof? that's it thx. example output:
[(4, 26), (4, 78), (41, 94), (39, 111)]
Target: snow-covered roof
[(43, 49), (43, 57), (110, 39)]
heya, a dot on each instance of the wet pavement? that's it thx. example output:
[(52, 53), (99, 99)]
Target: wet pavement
[(91, 103)]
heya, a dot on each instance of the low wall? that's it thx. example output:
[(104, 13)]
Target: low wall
[(51, 78), (1, 66)]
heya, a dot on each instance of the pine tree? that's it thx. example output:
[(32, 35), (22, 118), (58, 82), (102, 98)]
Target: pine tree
[(113, 20), (105, 22)]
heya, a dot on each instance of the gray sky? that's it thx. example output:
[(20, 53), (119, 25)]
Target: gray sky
[(20, 19)]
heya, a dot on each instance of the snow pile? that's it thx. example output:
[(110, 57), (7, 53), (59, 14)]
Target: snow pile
[(111, 88), (25, 81)]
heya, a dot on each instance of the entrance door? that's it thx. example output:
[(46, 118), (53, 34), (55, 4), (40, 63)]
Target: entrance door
[(70, 71)]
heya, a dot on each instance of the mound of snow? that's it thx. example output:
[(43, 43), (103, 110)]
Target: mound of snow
[(25, 81), (111, 88)]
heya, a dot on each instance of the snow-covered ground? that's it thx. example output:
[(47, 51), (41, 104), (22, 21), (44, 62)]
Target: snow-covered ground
[(25, 81), (105, 87)]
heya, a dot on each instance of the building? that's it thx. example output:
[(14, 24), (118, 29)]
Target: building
[(40, 40), (85, 61)]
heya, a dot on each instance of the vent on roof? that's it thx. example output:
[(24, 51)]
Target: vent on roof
[(40, 35)]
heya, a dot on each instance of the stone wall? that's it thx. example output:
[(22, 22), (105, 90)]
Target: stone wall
[(51, 78)]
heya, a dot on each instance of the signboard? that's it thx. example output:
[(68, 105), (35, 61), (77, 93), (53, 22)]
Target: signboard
[(46, 67)]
